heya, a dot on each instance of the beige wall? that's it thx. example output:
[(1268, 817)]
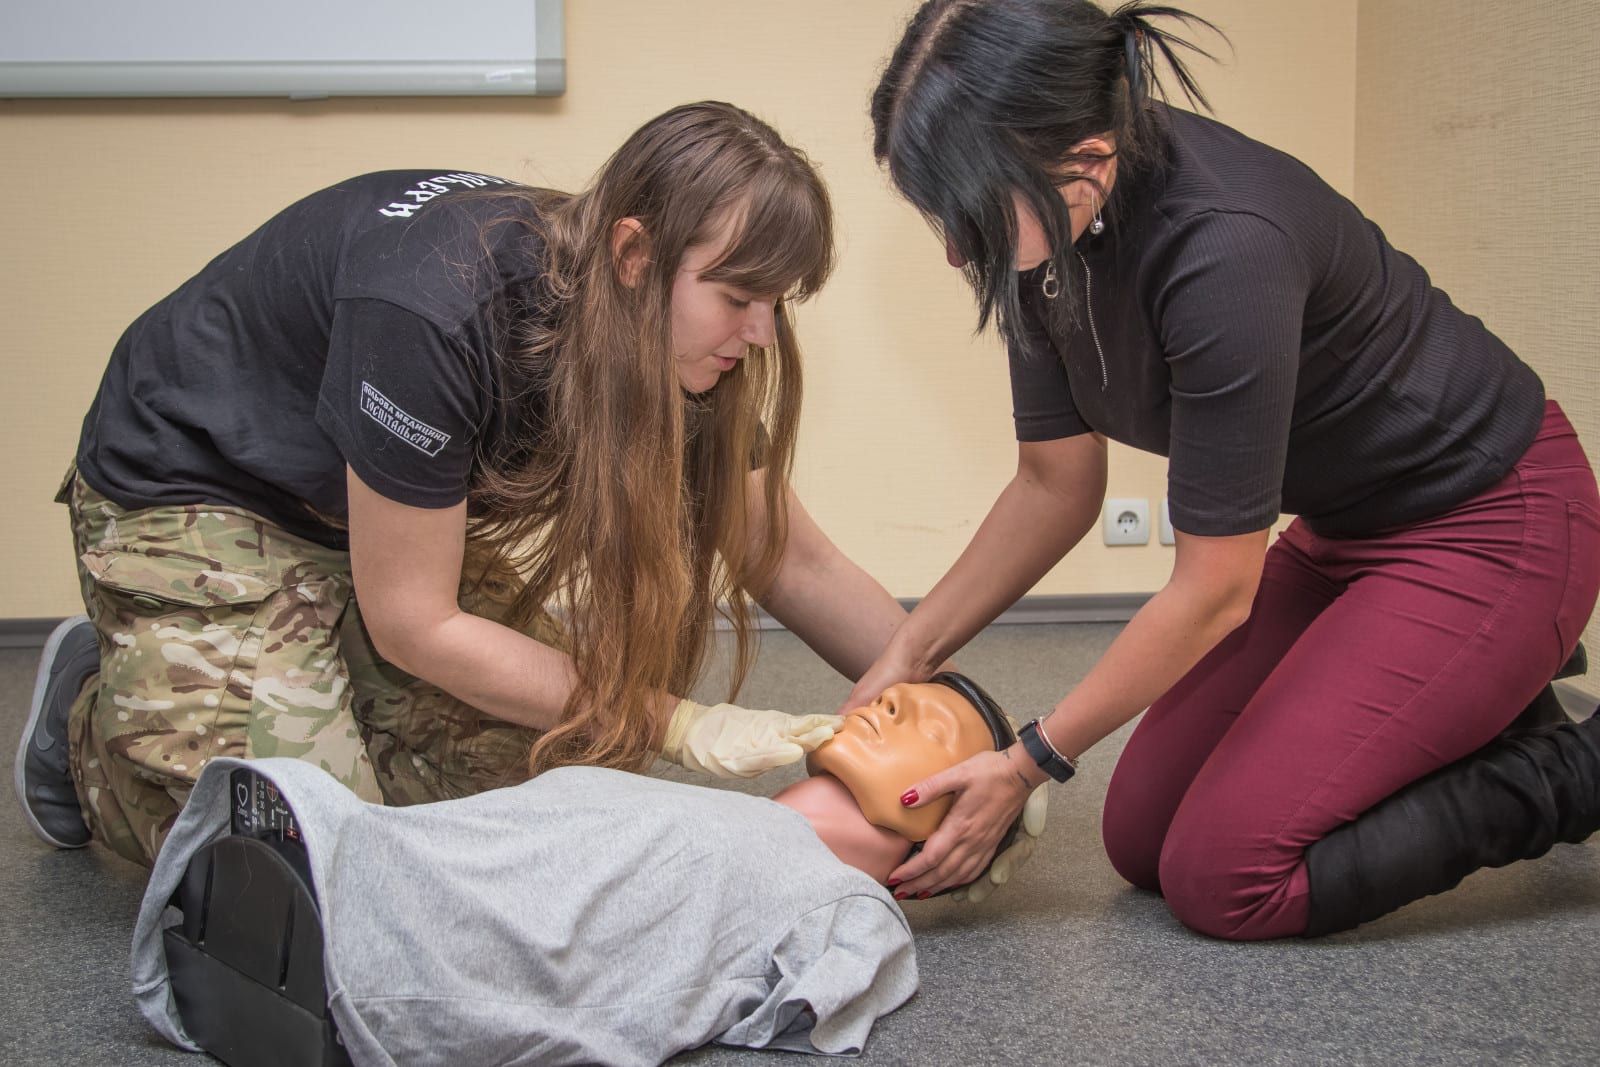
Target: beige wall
[(1466, 130), (1477, 151), (906, 436)]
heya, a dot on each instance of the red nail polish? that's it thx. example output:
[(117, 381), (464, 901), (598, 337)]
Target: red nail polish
[(900, 896), (893, 882), (909, 797), (924, 896)]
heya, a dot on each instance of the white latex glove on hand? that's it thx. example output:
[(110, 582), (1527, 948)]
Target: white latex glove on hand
[(1007, 862), (727, 741)]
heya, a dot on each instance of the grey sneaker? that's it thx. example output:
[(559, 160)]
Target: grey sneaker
[(43, 772)]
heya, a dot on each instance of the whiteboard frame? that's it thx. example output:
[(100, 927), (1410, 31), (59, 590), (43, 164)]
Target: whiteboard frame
[(542, 74)]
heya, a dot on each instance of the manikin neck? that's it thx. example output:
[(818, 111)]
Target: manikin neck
[(837, 819)]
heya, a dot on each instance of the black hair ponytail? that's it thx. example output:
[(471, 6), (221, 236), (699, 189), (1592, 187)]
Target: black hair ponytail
[(1141, 40)]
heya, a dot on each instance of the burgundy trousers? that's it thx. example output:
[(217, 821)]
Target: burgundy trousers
[(1365, 664)]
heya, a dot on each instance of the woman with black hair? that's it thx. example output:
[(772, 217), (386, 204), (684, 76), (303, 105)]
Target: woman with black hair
[(1330, 729)]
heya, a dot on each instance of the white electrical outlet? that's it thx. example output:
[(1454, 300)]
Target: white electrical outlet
[(1164, 531), (1127, 521)]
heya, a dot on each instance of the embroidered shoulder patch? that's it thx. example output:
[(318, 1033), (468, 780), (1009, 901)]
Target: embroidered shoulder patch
[(414, 432)]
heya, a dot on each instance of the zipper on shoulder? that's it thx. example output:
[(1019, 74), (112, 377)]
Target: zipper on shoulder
[(1088, 306)]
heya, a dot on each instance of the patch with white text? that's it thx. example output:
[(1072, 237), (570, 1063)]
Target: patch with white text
[(412, 199), (414, 432)]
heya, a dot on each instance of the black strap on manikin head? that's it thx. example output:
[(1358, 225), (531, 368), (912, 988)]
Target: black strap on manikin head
[(999, 726), (1004, 737)]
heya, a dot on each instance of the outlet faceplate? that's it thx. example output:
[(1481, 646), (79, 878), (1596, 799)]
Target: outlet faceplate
[(1127, 521)]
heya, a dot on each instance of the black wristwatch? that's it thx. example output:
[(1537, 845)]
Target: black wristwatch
[(1038, 746)]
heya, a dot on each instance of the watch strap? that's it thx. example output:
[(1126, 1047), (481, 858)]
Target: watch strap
[(1041, 752)]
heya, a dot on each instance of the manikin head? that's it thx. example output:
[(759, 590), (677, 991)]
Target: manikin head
[(908, 733)]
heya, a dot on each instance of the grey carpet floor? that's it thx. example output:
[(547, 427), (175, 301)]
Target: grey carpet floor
[(1065, 965)]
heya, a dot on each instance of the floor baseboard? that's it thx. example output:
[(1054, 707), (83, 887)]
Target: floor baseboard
[(1089, 607), (26, 633)]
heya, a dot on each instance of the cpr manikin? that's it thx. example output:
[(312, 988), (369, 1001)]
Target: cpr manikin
[(908, 733), (586, 915)]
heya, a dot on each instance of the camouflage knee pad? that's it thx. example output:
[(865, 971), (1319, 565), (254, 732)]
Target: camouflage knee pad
[(425, 744), (221, 635), (218, 637)]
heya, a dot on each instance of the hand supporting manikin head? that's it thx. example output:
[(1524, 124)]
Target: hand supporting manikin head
[(909, 732)]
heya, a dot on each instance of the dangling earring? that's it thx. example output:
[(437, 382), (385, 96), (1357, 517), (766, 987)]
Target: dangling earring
[(1097, 225), (1051, 285)]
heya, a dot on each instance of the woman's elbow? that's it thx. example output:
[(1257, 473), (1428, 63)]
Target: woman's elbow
[(389, 643), (1218, 578), (1217, 609), (1234, 607), (807, 563), (400, 639)]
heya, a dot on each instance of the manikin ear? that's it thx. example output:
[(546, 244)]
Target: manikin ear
[(630, 250)]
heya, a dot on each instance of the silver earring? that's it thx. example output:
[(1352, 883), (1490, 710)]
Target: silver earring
[(1098, 225), (1051, 286)]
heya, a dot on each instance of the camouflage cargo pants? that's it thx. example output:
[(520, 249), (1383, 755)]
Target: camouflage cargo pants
[(221, 635)]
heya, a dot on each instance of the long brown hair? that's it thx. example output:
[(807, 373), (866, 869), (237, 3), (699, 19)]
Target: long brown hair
[(630, 514)]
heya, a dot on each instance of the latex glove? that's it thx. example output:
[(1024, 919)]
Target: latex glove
[(727, 741), (1007, 862)]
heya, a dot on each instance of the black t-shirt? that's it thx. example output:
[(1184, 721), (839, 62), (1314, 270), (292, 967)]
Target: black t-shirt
[(1242, 318), (364, 325)]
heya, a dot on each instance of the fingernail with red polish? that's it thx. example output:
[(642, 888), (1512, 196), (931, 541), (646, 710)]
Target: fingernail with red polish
[(909, 797), (924, 896), (900, 896), (893, 882)]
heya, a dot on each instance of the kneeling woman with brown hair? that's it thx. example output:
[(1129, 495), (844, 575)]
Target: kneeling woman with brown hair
[(331, 488)]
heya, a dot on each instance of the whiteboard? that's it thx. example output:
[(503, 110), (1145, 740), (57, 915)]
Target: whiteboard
[(304, 49)]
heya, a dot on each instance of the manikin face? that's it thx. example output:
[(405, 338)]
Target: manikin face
[(713, 323), (908, 733)]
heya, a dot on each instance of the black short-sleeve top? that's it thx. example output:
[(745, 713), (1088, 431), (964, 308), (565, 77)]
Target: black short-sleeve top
[(368, 324), (1240, 317)]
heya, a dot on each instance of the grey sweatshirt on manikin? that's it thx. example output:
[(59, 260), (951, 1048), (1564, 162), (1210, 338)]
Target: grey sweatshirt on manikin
[(585, 916)]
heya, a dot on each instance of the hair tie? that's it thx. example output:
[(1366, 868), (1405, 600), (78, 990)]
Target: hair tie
[(1132, 38)]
